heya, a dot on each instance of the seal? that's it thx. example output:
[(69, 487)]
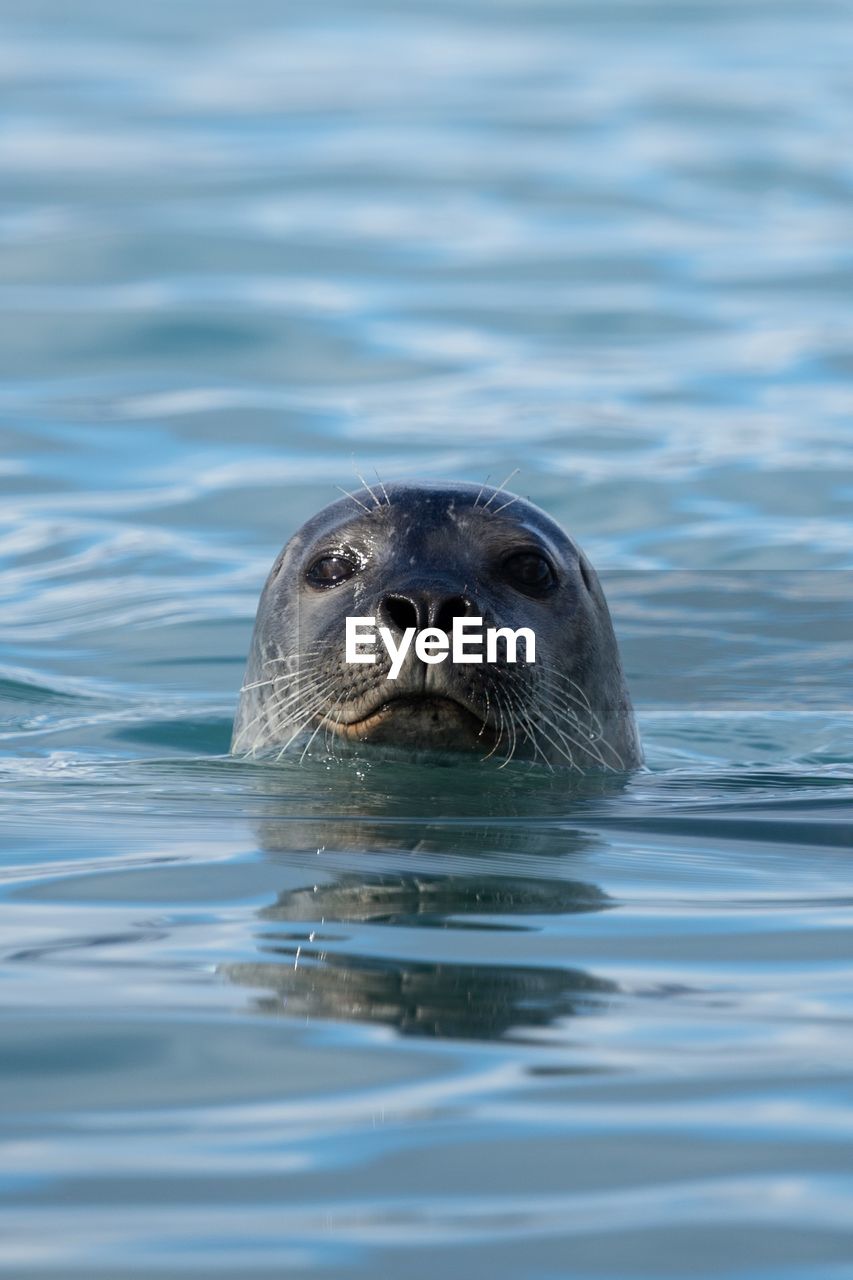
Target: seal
[(420, 556)]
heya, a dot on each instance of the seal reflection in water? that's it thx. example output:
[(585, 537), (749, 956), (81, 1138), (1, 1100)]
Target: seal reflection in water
[(506, 881), (452, 926), (420, 556), (318, 978)]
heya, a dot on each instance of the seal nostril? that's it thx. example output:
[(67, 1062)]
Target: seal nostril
[(400, 612), (455, 607)]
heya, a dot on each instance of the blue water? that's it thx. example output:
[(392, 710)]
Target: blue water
[(356, 1018)]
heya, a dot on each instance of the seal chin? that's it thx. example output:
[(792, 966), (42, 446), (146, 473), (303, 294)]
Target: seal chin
[(426, 720)]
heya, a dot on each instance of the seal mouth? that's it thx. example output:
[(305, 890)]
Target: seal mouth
[(421, 718)]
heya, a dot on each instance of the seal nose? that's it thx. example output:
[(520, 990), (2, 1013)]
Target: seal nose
[(424, 609), (450, 608)]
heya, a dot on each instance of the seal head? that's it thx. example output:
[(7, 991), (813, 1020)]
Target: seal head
[(420, 556)]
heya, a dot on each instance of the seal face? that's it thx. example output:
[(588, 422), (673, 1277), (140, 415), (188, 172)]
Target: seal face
[(420, 556)]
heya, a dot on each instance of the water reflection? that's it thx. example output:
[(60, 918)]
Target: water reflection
[(453, 1001), (308, 972), (461, 902)]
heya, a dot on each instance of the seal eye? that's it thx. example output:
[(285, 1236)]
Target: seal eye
[(529, 572), (328, 571)]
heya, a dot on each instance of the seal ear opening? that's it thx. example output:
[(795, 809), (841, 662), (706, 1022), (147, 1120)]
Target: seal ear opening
[(586, 575)]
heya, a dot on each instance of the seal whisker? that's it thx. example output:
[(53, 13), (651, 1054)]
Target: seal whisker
[(311, 739), (560, 744), (482, 487), (581, 694), (285, 699), (259, 684), (504, 505), (527, 726), (500, 488), (513, 737), (291, 706), (499, 738), (484, 725), (585, 743), (565, 705), (266, 712), (360, 477), (382, 487), (246, 727), (262, 684), (530, 731), (329, 735), (303, 725), (561, 698), (356, 500), (292, 674), (513, 721), (571, 706), (592, 744)]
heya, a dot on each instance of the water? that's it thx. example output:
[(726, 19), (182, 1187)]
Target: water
[(363, 1018)]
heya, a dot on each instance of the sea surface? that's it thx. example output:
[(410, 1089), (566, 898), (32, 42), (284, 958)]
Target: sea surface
[(391, 1017)]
